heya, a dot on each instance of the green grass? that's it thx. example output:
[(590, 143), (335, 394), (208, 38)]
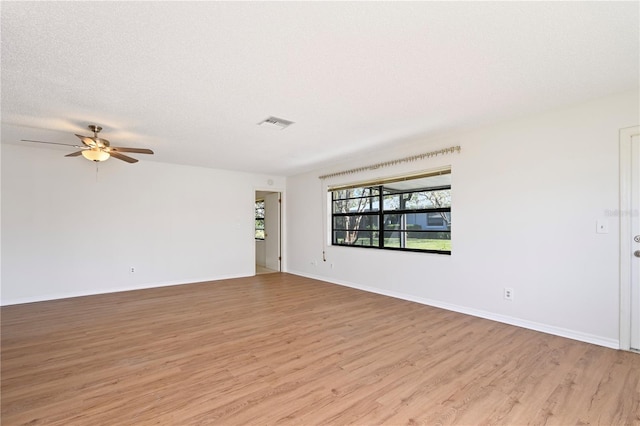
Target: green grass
[(412, 243), (420, 243), (430, 244)]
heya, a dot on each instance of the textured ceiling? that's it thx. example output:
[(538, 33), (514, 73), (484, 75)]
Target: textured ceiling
[(191, 80)]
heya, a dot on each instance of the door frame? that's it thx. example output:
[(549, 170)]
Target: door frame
[(625, 215), (281, 230)]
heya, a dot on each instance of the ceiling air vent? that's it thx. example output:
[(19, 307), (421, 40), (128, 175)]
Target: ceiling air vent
[(275, 123)]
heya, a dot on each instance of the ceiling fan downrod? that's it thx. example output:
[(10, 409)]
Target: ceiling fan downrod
[(95, 129)]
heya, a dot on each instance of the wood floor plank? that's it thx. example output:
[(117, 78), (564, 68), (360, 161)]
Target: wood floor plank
[(282, 349)]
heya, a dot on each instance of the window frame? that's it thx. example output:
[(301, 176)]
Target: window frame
[(383, 230), (258, 218)]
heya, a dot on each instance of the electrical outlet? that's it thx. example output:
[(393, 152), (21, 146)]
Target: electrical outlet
[(508, 293), (132, 270)]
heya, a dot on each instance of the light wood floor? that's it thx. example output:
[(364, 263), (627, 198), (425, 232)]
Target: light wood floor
[(263, 270), (281, 349)]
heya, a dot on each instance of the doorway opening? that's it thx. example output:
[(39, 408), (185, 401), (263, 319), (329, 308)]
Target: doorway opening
[(268, 232)]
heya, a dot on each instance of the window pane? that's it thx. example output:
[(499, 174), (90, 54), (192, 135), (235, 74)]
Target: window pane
[(429, 240), (428, 221), (428, 199), (339, 194), (260, 208), (392, 221), (418, 240), (259, 229), (360, 238), (343, 194), (356, 205), (392, 239), (431, 221), (361, 222), (391, 202)]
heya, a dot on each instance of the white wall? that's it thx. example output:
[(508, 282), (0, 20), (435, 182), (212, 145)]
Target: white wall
[(260, 253), (68, 232), (526, 197)]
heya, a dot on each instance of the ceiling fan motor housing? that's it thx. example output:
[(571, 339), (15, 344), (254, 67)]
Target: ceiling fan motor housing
[(95, 129)]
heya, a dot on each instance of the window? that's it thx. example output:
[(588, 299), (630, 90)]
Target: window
[(411, 213), (259, 219)]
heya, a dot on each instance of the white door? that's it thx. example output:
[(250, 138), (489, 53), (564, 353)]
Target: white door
[(630, 238), (272, 230), (635, 242)]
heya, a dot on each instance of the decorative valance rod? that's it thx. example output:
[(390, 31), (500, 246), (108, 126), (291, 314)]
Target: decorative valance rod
[(409, 159)]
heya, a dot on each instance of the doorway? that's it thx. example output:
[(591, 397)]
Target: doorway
[(630, 238), (268, 242)]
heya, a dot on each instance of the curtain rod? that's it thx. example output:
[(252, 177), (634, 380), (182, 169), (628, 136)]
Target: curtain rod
[(422, 156)]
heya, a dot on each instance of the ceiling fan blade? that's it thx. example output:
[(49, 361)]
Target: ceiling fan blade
[(74, 154), (51, 143), (123, 157), (138, 150), (86, 140)]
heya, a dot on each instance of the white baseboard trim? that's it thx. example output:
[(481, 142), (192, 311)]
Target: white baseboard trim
[(144, 286), (531, 325)]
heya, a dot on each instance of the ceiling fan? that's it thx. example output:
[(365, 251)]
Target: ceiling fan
[(98, 149)]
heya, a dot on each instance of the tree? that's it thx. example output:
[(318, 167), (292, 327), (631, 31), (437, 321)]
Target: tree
[(355, 200), (434, 199)]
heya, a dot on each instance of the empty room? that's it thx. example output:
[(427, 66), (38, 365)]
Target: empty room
[(320, 213)]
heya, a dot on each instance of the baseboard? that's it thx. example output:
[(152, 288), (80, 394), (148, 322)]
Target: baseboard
[(144, 286), (531, 325)]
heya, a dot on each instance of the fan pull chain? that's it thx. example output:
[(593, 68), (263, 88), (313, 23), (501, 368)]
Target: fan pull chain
[(96, 172)]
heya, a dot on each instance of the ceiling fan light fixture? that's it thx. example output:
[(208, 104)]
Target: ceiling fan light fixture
[(95, 154)]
